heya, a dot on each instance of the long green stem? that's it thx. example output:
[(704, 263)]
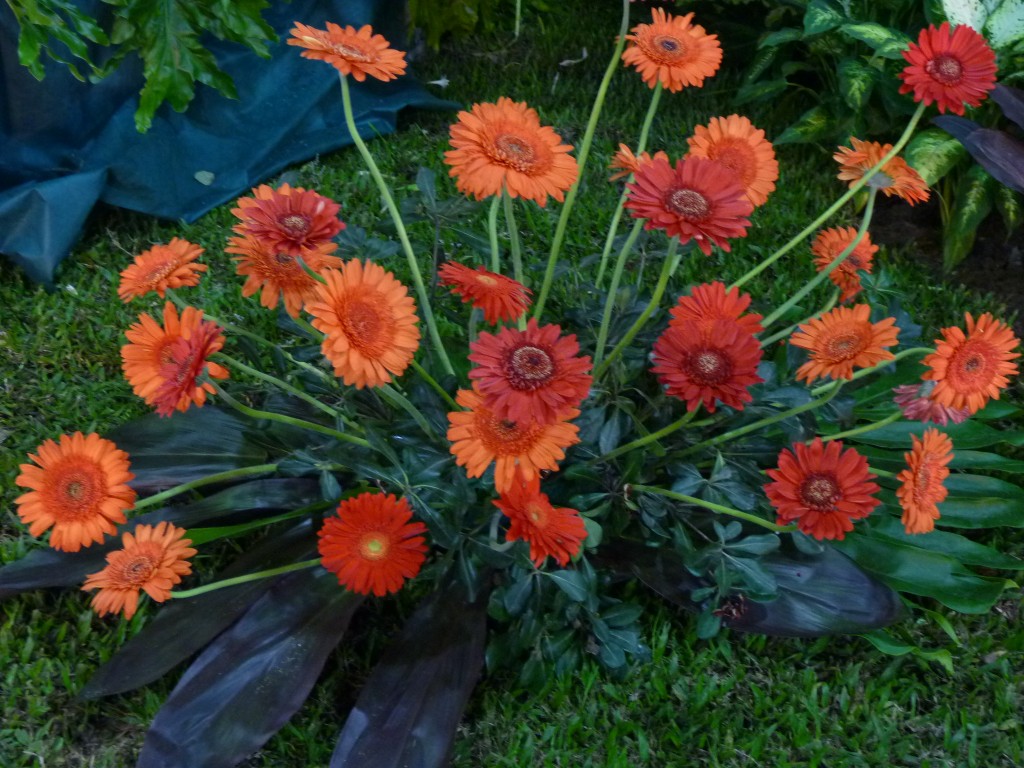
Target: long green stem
[(667, 269), (868, 371), (514, 246), (396, 217), (715, 508), (492, 231), (891, 418), (218, 477), (613, 290), (652, 437), (581, 159), (434, 385), (788, 331), (246, 578), (832, 209)]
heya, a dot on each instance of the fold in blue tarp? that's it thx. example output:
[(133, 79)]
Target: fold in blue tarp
[(65, 145)]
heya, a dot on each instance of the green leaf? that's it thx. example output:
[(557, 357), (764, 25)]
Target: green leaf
[(1005, 26), (814, 124), (972, 202), (573, 583), (760, 544), (969, 434), (973, 13), (960, 547), (855, 82), (757, 578), (761, 91), (888, 43), (887, 644), (781, 37), (933, 153), (821, 16), (977, 501), (1010, 205)]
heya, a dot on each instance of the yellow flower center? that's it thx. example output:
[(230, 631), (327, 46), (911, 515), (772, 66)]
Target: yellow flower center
[(374, 546)]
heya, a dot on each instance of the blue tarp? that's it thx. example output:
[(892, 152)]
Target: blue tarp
[(65, 145)]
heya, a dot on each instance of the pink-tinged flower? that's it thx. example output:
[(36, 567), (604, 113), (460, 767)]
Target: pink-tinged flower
[(916, 402)]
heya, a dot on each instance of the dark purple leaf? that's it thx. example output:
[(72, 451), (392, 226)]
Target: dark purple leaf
[(1000, 154), (1011, 101), (412, 702), (252, 678), (957, 127)]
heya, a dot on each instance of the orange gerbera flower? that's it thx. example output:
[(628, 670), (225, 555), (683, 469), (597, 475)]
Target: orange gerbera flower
[(700, 364), (278, 273), (151, 349), (188, 359), (371, 546), (823, 488), (742, 148), (953, 68), (162, 267), (671, 51), (829, 244), (357, 53), (842, 340), (531, 375), (503, 146), (710, 301), (698, 200), (625, 162), (500, 297), (288, 220), (922, 480), (78, 487), (969, 369), (369, 320), (895, 177), (480, 437), (549, 530), (153, 560)]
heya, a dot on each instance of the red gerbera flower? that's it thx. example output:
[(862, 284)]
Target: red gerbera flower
[(710, 301), (823, 488), (288, 220), (532, 375), (698, 200), (549, 530), (371, 546), (500, 297), (923, 488), (700, 365), (188, 359), (951, 67)]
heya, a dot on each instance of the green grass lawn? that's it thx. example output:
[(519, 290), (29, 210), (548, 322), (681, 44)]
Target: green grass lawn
[(732, 701)]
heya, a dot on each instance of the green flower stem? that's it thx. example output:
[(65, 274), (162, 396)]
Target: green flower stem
[(403, 236), (519, 16), (765, 422), (891, 418), (246, 578), (280, 417), (218, 477), (613, 289), (434, 385), (581, 161), (390, 393), (788, 331), (868, 371), (308, 327), (823, 275), (310, 271), (492, 231), (652, 437), (715, 508), (233, 530), (667, 269), (831, 210), (515, 247), (883, 473)]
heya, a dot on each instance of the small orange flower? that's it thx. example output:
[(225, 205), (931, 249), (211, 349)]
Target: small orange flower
[(625, 162), (822, 488), (549, 530), (288, 220), (829, 244), (894, 178), (278, 274), (371, 545), (500, 297), (188, 359), (673, 52), (742, 148), (842, 340), (78, 487), (923, 479), (162, 267), (503, 146), (357, 53), (710, 301), (153, 560), (953, 68), (970, 369), (369, 321), (479, 437)]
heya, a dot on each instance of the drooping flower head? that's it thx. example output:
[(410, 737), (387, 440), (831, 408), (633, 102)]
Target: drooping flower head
[(351, 52), (917, 403), (549, 530), (951, 67), (971, 368), (152, 560), (707, 365), (822, 488), (710, 301), (842, 340), (161, 267), (479, 437), (923, 479), (742, 148), (188, 359), (829, 244), (369, 320), (894, 178), (153, 347), (371, 545), (78, 487), (500, 297), (288, 220), (531, 375), (504, 146), (673, 52), (624, 162), (698, 200)]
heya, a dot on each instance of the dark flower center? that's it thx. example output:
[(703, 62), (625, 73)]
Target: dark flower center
[(973, 363), (820, 491), (945, 69), (688, 203), (515, 152), (843, 346), (529, 368), (137, 572), (505, 430), (708, 366), (285, 259), (360, 322), (295, 224), (75, 489), (673, 47), (350, 53)]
